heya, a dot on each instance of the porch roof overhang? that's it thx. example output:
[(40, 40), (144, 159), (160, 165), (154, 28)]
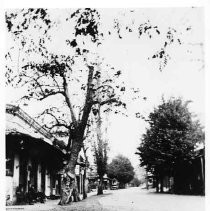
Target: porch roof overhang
[(34, 147)]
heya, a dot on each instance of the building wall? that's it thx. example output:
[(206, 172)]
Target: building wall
[(36, 163), (9, 187), (12, 182), (30, 155), (34, 171)]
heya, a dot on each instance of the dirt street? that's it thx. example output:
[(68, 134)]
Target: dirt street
[(130, 199)]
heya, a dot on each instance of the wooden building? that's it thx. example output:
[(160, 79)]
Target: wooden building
[(32, 157)]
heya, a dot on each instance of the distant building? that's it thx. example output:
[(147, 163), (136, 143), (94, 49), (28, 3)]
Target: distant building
[(33, 157), (93, 179), (194, 177), (188, 179)]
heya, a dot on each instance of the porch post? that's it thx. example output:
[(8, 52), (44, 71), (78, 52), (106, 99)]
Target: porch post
[(16, 176)]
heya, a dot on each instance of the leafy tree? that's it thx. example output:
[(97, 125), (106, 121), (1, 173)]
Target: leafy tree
[(121, 169), (170, 141), (66, 79)]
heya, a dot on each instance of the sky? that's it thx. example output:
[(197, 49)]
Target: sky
[(183, 76)]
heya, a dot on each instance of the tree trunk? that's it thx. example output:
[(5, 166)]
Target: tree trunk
[(176, 179), (157, 184), (69, 187), (100, 186), (161, 184), (69, 184), (122, 185), (147, 181)]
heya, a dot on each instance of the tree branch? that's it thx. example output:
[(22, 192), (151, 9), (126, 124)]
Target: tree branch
[(42, 85), (112, 100), (88, 100), (56, 83), (57, 125), (67, 98), (58, 121), (105, 85), (87, 131), (36, 81), (50, 94)]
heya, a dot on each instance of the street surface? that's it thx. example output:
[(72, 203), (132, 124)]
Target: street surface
[(130, 199)]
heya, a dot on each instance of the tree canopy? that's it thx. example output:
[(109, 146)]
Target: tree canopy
[(70, 83), (121, 169), (171, 138), (48, 72)]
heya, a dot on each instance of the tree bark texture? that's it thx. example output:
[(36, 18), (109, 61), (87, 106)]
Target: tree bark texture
[(69, 187)]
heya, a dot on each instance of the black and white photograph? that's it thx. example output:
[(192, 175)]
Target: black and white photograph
[(104, 109)]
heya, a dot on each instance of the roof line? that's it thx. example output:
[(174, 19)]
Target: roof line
[(16, 110)]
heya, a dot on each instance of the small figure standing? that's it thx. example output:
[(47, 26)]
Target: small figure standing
[(31, 194), (20, 194)]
